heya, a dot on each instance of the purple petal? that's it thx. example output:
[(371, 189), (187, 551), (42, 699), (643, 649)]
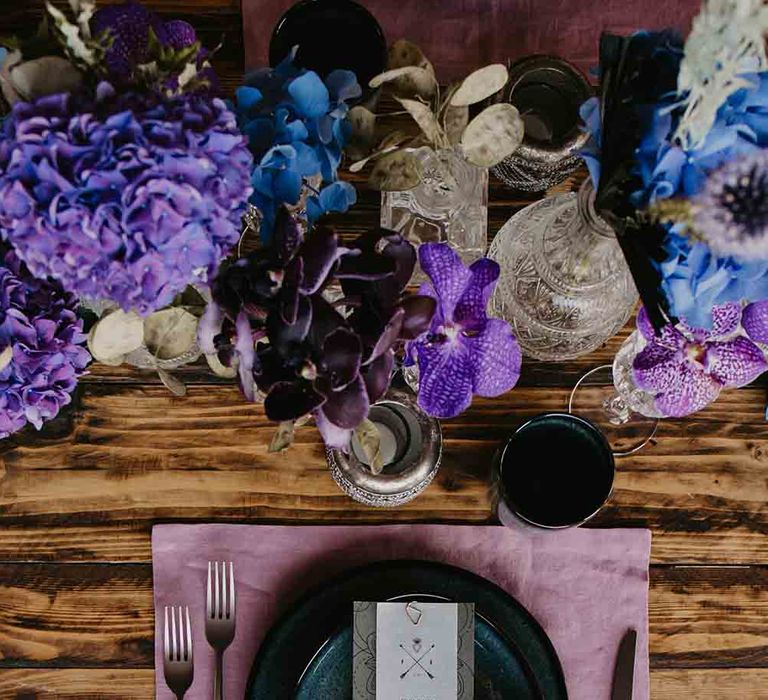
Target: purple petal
[(735, 363), (378, 376), (755, 321), (209, 327), (334, 437), (289, 292), (725, 319), (496, 357), (445, 378), (291, 400), (341, 357), (419, 311), (281, 333), (655, 367), (448, 274), (389, 335), (691, 391), (319, 252), (470, 309), (669, 336), (287, 236), (347, 408), (246, 354)]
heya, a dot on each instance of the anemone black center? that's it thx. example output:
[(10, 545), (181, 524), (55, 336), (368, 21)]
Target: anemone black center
[(747, 200)]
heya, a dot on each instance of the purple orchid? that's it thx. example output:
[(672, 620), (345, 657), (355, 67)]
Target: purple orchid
[(755, 321), (686, 368), (464, 352)]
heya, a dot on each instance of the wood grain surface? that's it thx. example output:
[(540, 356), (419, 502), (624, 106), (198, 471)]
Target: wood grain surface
[(78, 500)]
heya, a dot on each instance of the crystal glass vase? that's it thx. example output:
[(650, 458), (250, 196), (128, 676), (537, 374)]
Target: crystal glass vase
[(564, 287), (449, 206)]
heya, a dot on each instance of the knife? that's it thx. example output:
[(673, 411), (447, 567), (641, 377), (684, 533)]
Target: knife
[(624, 673)]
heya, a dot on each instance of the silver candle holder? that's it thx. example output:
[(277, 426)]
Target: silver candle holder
[(411, 447), (548, 92)]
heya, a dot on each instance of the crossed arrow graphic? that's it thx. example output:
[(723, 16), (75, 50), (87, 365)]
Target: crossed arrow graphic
[(417, 662)]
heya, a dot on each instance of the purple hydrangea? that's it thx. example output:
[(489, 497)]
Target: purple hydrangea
[(41, 353), (686, 368), (128, 197), (464, 352)]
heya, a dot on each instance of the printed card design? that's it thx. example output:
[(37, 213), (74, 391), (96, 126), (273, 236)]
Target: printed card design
[(413, 651)]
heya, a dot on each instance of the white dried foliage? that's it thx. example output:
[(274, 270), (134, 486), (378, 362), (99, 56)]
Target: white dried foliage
[(726, 41), (424, 116), (396, 172), (367, 436), (492, 135), (76, 46), (43, 76), (363, 123), (172, 383), (115, 335), (283, 437), (480, 85), (455, 121), (170, 333), (219, 369)]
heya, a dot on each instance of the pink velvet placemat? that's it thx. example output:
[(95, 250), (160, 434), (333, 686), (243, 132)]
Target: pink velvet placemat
[(585, 587), (461, 35)]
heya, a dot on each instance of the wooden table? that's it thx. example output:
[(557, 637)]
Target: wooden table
[(78, 500)]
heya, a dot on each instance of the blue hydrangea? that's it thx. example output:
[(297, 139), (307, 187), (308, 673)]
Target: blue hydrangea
[(694, 278), (297, 128)]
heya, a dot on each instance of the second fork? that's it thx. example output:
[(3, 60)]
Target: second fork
[(220, 616)]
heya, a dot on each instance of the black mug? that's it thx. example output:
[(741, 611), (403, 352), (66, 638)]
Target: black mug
[(556, 471)]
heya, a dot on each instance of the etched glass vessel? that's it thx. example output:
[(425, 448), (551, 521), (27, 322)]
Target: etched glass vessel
[(449, 206), (564, 287)]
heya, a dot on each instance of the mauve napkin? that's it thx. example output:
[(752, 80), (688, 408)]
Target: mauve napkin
[(461, 35), (585, 587)]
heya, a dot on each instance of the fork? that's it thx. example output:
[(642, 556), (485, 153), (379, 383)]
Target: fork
[(220, 617), (177, 652)]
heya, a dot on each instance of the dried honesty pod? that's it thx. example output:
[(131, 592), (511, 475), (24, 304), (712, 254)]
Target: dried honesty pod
[(443, 122), (173, 384), (115, 335), (425, 117), (363, 123), (368, 438), (283, 437), (455, 120), (170, 333), (396, 171), (492, 135), (5, 357), (42, 76), (408, 80), (480, 85)]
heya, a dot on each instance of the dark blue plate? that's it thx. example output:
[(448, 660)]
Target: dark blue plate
[(308, 653)]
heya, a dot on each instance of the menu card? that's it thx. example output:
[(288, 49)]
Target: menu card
[(413, 651)]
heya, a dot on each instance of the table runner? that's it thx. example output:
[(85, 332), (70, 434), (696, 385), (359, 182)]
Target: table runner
[(459, 36), (585, 587)]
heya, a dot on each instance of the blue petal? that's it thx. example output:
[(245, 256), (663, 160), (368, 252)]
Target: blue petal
[(247, 97), (288, 186), (310, 95), (343, 85)]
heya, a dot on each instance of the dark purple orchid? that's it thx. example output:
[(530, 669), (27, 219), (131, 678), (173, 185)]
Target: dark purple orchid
[(686, 368), (755, 321), (311, 351), (464, 352)]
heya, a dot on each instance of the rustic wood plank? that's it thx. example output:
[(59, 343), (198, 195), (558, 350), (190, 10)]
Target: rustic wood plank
[(139, 684), (76, 684), (100, 615), (129, 456), (710, 684)]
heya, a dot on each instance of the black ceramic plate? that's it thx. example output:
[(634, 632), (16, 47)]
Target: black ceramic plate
[(296, 646)]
